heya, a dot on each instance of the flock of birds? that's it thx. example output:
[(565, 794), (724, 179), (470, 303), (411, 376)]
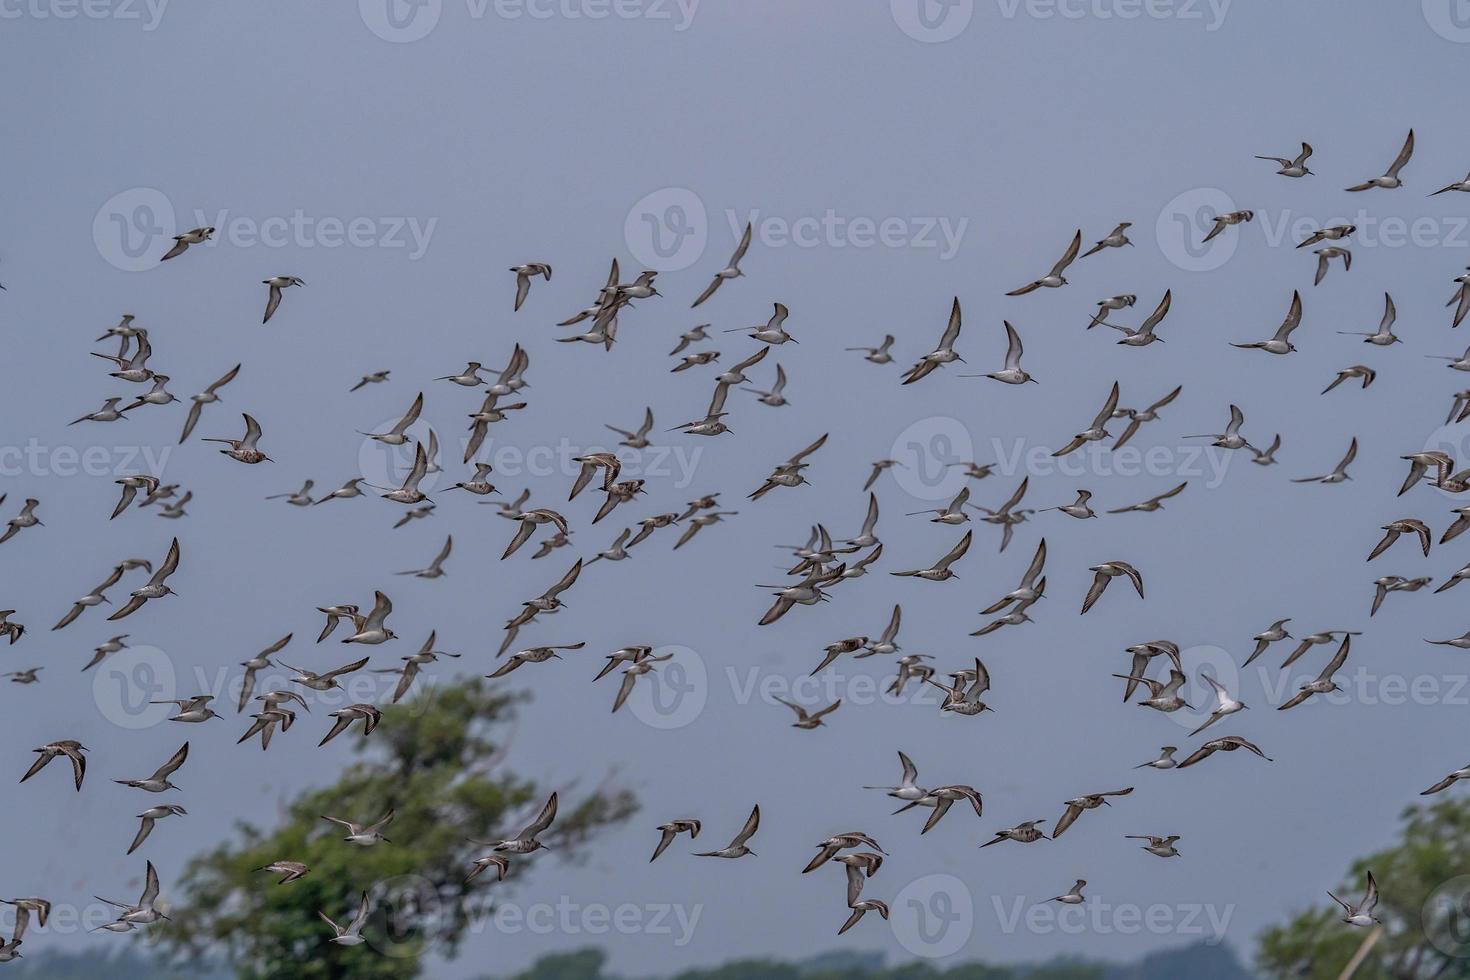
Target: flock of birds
[(818, 566)]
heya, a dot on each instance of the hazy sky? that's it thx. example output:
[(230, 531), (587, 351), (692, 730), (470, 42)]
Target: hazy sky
[(399, 158)]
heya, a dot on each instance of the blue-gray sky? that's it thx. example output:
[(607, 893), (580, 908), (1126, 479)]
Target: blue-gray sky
[(399, 164)]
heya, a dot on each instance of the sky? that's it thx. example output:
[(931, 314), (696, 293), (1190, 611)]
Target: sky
[(399, 158)]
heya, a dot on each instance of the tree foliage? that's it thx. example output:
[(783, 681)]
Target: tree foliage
[(432, 760), (1424, 905)]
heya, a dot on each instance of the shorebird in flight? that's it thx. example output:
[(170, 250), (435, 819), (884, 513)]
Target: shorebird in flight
[(1224, 705), (1362, 371), (1144, 334), (370, 629), (151, 816), (524, 274), (351, 933), (244, 449), (1012, 373), (1323, 683), (1152, 503), (1394, 583), (1162, 697), (26, 518), (527, 840), (276, 284), (326, 680), (1112, 303), (1158, 846), (292, 870), (529, 520), (1105, 573), (1231, 437), (1136, 418), (1339, 472), (737, 847), (809, 721), (1280, 342), (365, 835), (1293, 168), (1228, 220), (365, 713), (1116, 238), (155, 589), (940, 570), (194, 236), (1022, 833), (668, 831), (772, 332), (639, 438), (941, 355), (1055, 277), (1097, 430), (1361, 915), (907, 789), (1165, 759), (1076, 807), (71, 749), (1393, 529), (1390, 178), (1324, 258), (879, 354), (1276, 631), (730, 271), (1228, 743)]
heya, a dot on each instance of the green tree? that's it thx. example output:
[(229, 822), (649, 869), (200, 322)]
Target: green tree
[(1424, 905), (431, 760)]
